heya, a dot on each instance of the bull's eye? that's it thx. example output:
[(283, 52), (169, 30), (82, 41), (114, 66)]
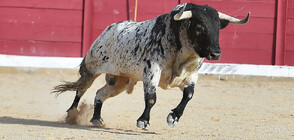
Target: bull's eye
[(199, 29), (198, 33)]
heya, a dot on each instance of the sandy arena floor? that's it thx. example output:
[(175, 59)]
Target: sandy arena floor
[(223, 107)]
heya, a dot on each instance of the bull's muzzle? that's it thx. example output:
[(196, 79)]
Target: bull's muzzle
[(214, 56)]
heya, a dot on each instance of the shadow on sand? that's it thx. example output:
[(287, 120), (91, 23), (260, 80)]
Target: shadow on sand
[(34, 122)]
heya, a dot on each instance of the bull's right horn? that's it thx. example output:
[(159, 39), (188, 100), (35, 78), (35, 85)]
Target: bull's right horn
[(232, 19)]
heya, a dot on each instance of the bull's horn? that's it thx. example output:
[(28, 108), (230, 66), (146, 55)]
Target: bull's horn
[(232, 19), (183, 14)]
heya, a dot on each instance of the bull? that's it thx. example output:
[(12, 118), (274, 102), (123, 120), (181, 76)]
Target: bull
[(163, 52)]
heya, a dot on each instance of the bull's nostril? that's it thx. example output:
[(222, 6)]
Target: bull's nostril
[(214, 56)]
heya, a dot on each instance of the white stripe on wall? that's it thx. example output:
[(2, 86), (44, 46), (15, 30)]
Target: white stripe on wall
[(207, 68), (40, 62), (246, 69)]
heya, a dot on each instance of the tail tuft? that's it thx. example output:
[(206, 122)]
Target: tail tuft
[(82, 84), (69, 86)]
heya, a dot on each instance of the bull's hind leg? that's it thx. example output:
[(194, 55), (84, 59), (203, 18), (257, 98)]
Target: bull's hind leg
[(81, 86), (79, 94), (114, 86)]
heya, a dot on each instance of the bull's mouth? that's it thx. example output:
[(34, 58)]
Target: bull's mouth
[(213, 56)]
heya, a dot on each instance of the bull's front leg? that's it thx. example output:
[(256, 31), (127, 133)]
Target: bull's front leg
[(188, 91), (151, 77)]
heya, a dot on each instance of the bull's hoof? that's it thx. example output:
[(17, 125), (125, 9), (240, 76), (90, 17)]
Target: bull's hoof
[(172, 120), (97, 122), (143, 124)]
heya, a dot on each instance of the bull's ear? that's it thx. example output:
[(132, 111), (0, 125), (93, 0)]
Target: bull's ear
[(224, 23)]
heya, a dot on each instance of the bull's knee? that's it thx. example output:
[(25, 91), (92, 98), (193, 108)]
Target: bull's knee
[(188, 92), (101, 95), (151, 99), (150, 95)]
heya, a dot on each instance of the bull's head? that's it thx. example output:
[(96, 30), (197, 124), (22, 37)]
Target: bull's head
[(203, 27)]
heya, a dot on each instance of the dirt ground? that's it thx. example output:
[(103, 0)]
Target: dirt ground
[(223, 107)]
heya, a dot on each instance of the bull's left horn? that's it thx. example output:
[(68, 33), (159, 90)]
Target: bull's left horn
[(232, 19), (183, 14)]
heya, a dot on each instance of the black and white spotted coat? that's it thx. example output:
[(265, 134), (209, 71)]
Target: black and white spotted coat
[(160, 44)]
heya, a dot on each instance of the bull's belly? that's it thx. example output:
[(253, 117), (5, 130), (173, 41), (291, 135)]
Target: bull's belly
[(131, 70), (135, 73)]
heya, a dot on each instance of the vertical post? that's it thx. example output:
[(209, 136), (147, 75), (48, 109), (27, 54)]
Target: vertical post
[(281, 31), (87, 26), (136, 9), (128, 9)]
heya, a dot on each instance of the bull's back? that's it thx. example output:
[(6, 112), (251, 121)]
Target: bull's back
[(120, 49)]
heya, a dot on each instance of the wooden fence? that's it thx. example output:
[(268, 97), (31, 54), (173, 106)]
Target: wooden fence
[(68, 27)]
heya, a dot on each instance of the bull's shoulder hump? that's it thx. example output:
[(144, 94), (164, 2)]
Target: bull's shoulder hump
[(119, 24)]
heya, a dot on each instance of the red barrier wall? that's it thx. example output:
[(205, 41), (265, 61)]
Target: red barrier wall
[(41, 27), (68, 27), (147, 9), (98, 15), (289, 39)]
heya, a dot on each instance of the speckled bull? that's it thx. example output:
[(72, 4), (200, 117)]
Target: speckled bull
[(163, 52)]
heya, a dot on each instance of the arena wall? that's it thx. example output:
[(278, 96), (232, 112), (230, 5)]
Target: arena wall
[(67, 28)]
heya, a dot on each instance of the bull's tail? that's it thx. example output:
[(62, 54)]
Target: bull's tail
[(70, 86), (82, 84)]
